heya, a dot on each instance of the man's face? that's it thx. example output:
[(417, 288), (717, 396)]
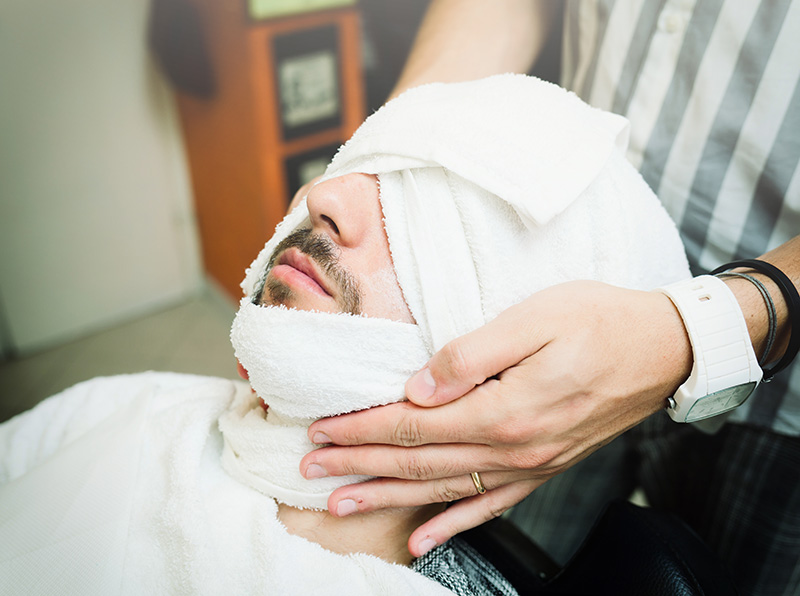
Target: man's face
[(341, 263)]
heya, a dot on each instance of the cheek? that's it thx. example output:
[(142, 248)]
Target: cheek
[(382, 296)]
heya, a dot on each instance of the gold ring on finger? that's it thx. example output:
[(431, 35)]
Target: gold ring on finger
[(476, 480)]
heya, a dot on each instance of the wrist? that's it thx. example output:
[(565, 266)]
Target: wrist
[(677, 348), (755, 313), (788, 289)]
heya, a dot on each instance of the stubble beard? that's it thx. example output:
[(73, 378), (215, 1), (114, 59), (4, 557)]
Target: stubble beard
[(325, 254)]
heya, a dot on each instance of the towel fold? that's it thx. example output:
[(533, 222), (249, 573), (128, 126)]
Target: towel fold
[(495, 189), (309, 365), (262, 450)]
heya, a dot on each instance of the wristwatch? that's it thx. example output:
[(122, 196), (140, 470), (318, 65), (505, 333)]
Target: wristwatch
[(725, 370)]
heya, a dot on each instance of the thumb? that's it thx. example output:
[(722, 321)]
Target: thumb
[(469, 360)]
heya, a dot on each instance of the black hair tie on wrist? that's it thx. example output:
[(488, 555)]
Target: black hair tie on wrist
[(792, 298)]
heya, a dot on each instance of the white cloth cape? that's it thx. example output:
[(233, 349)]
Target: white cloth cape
[(115, 487)]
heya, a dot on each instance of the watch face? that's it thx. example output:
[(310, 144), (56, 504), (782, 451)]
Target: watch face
[(720, 401)]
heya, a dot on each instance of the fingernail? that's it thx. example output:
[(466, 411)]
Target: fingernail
[(315, 471), (346, 507), (422, 385), (320, 438), (426, 545)]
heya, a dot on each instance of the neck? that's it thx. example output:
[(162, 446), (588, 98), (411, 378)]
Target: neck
[(383, 534), (263, 450)]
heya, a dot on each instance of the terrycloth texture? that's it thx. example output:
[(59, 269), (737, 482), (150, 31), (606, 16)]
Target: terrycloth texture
[(352, 362), (495, 189), (355, 362), (491, 190), (262, 451), (115, 487)]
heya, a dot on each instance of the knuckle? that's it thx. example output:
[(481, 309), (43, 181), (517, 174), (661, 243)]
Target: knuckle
[(407, 431), (348, 437), (496, 510), (342, 465), (381, 497), (446, 492), (455, 363), (414, 467), (511, 432), (530, 459)]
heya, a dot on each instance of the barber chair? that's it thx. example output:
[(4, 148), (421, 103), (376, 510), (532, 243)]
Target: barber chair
[(630, 550)]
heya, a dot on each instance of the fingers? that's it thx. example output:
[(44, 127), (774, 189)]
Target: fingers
[(469, 360), (385, 493), (406, 424), (467, 514), (418, 463)]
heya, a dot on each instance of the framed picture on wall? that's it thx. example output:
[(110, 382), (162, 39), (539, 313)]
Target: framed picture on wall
[(308, 76), (306, 166), (269, 9)]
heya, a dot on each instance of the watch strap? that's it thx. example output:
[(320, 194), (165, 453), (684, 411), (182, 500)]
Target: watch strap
[(723, 353)]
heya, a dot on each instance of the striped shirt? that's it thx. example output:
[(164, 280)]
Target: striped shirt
[(711, 90)]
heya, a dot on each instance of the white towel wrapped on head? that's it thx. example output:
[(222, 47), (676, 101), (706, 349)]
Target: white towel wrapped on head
[(491, 190)]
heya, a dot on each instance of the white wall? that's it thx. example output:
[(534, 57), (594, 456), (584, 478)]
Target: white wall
[(96, 221)]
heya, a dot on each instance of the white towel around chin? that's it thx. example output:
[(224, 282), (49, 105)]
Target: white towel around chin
[(308, 365), (491, 190), (305, 366)]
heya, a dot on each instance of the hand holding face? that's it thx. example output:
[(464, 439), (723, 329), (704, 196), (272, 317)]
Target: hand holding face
[(519, 400)]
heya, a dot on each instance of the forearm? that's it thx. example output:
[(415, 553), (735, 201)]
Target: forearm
[(786, 258), (462, 40)]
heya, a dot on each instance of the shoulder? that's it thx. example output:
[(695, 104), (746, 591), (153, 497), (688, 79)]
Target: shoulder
[(33, 436)]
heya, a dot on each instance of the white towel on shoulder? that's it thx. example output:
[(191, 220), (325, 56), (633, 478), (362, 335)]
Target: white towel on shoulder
[(115, 487)]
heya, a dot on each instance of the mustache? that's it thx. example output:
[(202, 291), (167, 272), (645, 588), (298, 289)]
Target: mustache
[(325, 254)]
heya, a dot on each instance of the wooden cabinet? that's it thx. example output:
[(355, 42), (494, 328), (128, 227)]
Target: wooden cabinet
[(287, 92)]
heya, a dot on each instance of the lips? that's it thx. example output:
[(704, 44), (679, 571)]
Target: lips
[(301, 270)]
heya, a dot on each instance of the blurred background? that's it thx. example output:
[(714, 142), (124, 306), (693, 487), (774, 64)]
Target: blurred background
[(148, 149)]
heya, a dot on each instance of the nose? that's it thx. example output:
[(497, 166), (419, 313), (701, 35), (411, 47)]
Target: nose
[(343, 208)]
